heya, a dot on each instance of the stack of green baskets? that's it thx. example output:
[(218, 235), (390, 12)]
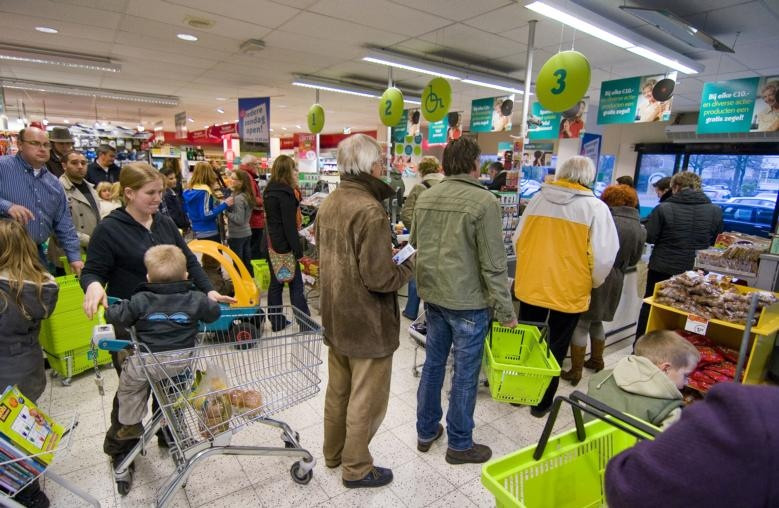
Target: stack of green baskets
[(65, 337), (261, 273), (518, 363)]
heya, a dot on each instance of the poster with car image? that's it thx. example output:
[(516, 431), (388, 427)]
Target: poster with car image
[(492, 114), (636, 100)]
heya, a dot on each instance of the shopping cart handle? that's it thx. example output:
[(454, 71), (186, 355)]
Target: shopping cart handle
[(113, 344)]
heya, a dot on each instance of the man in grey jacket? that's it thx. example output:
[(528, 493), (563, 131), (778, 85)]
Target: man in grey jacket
[(461, 275)]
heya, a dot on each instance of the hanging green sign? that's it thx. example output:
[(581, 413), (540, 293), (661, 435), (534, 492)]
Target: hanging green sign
[(618, 100), (436, 131), (492, 114), (391, 106), (728, 106), (436, 99), (316, 119), (542, 124), (563, 80), (399, 129)]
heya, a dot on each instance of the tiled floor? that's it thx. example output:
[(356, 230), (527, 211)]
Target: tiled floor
[(421, 479)]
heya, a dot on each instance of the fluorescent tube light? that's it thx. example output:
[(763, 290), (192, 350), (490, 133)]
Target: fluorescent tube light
[(579, 24), (586, 21), (493, 85), (668, 62), (68, 60), (447, 71), (346, 88), (399, 65), (85, 91)]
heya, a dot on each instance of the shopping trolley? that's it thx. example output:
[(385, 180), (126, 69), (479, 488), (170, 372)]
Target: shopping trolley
[(211, 391), (566, 471)]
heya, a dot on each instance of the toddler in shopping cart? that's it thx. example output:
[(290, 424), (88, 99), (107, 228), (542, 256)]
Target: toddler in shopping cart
[(166, 313), (647, 384)]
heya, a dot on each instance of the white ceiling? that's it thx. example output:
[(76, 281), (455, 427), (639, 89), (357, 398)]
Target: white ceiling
[(328, 38)]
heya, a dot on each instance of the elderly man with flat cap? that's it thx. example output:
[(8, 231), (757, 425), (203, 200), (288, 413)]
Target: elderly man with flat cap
[(61, 143)]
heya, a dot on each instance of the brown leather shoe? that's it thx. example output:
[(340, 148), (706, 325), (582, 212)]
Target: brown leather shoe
[(476, 454), (424, 446)]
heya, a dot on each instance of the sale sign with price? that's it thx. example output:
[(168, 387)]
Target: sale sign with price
[(492, 114), (630, 100)]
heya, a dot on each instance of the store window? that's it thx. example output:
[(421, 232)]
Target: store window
[(605, 173), (746, 186), (651, 168)]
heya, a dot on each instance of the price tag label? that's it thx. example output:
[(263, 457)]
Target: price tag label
[(696, 324)]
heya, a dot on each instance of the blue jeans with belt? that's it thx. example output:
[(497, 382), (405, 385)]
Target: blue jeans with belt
[(463, 332)]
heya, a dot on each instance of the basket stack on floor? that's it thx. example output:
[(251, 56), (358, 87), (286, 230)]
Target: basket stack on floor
[(65, 337)]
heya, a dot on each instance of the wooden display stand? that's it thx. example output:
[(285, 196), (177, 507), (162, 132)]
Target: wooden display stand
[(762, 336)]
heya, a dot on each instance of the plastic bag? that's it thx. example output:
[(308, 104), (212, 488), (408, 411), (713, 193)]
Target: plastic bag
[(212, 399)]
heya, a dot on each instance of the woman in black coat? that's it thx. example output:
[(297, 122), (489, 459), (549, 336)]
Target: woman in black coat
[(678, 227), (115, 261), (622, 200), (281, 206)]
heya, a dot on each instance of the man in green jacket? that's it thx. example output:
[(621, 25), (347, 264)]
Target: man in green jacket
[(461, 275)]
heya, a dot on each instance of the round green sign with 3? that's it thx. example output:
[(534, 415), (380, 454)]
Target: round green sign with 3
[(316, 119), (436, 99), (391, 107), (563, 81)]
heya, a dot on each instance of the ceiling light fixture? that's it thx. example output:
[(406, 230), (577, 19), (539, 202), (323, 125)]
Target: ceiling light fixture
[(677, 27), (47, 29), (48, 57), (85, 91), (298, 127), (586, 21), (190, 120), (221, 99), (283, 128), (448, 71), (187, 37), (220, 111), (347, 88)]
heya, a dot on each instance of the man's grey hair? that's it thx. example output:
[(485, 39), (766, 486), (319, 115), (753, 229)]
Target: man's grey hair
[(357, 154), (249, 159), (577, 169), (105, 149)]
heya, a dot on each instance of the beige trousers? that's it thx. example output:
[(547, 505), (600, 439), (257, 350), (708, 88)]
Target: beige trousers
[(355, 404)]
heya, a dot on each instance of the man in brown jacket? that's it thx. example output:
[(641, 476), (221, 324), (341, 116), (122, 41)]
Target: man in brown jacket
[(359, 309)]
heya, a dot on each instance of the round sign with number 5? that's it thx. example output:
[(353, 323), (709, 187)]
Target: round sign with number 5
[(563, 80), (391, 107)]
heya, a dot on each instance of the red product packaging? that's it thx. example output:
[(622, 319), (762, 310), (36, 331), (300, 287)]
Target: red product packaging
[(717, 376), (726, 368), (730, 355), (708, 355)]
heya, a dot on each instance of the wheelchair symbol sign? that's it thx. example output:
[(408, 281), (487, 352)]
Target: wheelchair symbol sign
[(436, 99)]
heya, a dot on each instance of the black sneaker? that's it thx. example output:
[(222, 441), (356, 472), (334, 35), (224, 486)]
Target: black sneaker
[(476, 454), (376, 477), (424, 446)]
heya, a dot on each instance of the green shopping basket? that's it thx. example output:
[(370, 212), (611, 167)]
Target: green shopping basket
[(566, 471), (518, 362)]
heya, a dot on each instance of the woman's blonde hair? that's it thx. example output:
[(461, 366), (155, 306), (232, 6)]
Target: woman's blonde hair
[(283, 170), (136, 175), (113, 187), (686, 180), (203, 174), (19, 261)]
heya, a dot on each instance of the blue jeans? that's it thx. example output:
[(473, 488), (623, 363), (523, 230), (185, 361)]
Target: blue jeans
[(463, 331), (412, 303)]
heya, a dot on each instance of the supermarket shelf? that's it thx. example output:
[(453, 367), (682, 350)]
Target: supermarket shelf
[(749, 277)]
